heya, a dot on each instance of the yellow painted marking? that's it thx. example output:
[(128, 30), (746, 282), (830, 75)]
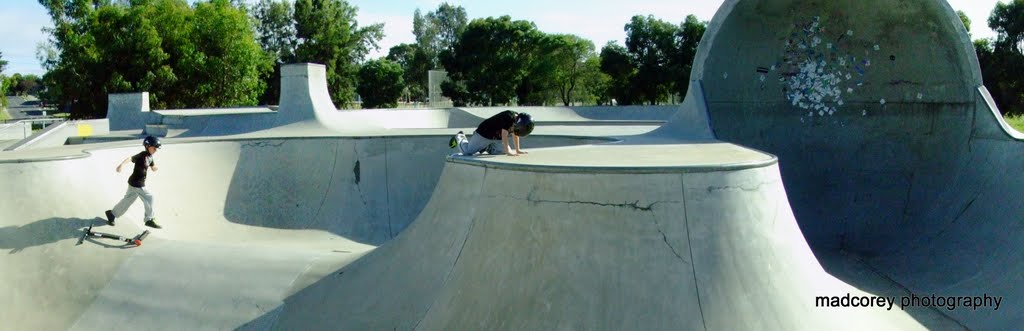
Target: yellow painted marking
[(84, 130)]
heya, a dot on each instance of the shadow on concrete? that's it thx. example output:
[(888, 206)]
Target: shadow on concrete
[(364, 189), (853, 270), (267, 321), (43, 232)]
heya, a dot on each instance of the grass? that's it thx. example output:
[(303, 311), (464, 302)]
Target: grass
[(1017, 122)]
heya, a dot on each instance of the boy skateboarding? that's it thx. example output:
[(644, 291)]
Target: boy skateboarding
[(143, 162)]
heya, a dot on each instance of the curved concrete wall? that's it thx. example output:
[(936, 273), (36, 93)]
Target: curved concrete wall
[(695, 250), (223, 204), (887, 143)]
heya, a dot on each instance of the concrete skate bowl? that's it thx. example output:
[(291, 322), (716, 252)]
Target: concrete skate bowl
[(889, 146), (511, 248), (246, 222), (207, 123)]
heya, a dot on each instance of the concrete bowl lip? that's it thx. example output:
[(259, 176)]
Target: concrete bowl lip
[(86, 149), (493, 163), (498, 164)]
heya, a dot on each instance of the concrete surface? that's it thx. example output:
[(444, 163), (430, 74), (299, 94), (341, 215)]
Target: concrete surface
[(58, 134), (498, 248), (15, 130), (913, 173), (778, 180), (129, 111)]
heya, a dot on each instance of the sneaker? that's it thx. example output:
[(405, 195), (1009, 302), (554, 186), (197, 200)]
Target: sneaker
[(152, 224), (110, 218), (456, 140)]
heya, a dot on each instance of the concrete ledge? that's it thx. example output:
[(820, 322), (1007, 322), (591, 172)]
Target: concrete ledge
[(695, 157), (128, 111), (304, 93), (155, 130)]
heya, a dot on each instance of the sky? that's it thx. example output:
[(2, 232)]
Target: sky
[(22, 21)]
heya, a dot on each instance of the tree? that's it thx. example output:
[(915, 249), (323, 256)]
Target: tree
[(435, 31), (651, 42), (415, 64), (966, 20), (229, 63), (380, 84), (129, 56), (490, 60), (440, 29), (617, 65), (201, 56), (541, 62), (3, 63), (594, 83), (18, 84), (275, 31), (449, 22), (3, 86), (1003, 63), (329, 34), (1007, 20), (569, 55), (687, 39)]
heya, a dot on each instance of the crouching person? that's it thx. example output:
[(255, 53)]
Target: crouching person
[(492, 135)]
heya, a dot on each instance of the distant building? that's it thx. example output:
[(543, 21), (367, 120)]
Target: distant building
[(435, 99)]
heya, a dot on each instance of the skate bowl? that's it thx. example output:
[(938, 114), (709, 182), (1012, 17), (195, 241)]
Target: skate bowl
[(889, 145), (268, 210), (812, 129)]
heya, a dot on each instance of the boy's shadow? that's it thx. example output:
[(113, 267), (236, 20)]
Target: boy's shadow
[(47, 231)]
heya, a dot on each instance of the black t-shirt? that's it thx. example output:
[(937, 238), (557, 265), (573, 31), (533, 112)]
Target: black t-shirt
[(491, 127), (142, 163)]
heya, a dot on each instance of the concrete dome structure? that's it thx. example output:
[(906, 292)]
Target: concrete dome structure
[(889, 144)]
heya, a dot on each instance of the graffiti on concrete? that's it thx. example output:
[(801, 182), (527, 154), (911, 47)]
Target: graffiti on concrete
[(818, 68)]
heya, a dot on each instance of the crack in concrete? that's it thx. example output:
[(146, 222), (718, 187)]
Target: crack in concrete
[(693, 268), (387, 191), (327, 191), (635, 205), (744, 188), (262, 144), (664, 238)]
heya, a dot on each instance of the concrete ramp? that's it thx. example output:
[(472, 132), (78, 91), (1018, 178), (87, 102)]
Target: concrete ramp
[(499, 248), (889, 148), (246, 224), (858, 129)]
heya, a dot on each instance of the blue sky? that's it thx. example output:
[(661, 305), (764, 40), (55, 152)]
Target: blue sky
[(21, 21)]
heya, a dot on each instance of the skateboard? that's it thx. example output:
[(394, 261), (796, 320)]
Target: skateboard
[(137, 240)]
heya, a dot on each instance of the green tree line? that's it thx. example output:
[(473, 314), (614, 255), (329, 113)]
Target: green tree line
[(219, 53), (3, 84), (1002, 57), (213, 53)]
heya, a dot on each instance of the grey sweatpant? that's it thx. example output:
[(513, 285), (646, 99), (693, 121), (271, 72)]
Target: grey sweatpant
[(478, 144), (129, 199)]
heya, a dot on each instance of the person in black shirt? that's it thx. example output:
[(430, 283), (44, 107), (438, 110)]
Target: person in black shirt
[(496, 130), (143, 162)]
